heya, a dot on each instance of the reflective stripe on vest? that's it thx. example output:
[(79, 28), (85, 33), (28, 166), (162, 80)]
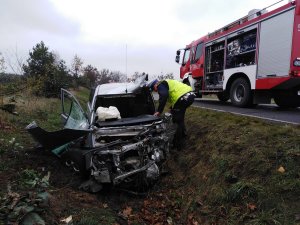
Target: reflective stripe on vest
[(176, 90)]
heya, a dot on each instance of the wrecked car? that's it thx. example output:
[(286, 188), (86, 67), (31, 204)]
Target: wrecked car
[(126, 147)]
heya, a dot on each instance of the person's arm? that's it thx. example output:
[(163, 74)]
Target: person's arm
[(163, 91)]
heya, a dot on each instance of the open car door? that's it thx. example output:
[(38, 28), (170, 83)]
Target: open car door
[(73, 116), (76, 125)]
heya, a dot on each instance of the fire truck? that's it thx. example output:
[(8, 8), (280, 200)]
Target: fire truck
[(250, 61)]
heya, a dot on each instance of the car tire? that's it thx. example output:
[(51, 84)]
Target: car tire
[(186, 81), (240, 93), (74, 158)]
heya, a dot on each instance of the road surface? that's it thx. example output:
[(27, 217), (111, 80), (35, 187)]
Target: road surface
[(267, 112)]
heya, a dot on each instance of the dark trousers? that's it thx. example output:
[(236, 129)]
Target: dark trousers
[(178, 113)]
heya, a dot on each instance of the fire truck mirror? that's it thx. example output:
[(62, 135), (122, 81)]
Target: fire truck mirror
[(177, 58), (178, 52)]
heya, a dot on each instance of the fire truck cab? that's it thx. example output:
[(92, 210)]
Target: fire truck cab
[(249, 61)]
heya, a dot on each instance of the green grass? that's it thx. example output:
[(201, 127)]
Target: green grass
[(233, 162), (96, 216), (226, 174)]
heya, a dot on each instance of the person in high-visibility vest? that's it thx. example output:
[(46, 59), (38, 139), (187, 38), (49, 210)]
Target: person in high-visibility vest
[(180, 96)]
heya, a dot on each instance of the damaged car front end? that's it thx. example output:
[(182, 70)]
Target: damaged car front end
[(128, 150)]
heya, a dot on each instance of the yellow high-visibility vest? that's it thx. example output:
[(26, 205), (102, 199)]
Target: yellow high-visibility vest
[(176, 90)]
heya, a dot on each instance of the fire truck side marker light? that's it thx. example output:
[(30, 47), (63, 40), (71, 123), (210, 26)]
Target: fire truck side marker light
[(297, 62)]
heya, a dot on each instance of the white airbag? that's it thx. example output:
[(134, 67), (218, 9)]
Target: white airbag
[(104, 113)]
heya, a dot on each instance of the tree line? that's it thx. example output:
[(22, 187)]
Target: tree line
[(45, 73)]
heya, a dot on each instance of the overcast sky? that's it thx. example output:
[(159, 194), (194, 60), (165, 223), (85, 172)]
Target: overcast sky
[(100, 31)]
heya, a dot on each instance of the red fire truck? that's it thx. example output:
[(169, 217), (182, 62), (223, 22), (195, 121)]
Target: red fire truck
[(249, 61)]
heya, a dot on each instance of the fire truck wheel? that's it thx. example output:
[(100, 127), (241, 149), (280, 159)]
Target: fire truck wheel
[(287, 100), (240, 93), (186, 81), (223, 96)]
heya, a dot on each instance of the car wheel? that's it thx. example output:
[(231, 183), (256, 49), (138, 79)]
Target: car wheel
[(240, 93), (186, 81), (75, 159)]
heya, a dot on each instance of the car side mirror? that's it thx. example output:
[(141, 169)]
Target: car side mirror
[(177, 58), (178, 52)]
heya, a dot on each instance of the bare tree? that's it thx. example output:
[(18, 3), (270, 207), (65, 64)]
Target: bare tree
[(166, 76), (103, 76), (117, 76), (90, 76), (77, 66), (14, 61), (137, 75), (2, 63)]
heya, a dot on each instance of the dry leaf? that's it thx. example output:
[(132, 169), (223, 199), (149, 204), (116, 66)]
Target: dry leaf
[(195, 222), (281, 169), (127, 211), (251, 206), (67, 220), (169, 220)]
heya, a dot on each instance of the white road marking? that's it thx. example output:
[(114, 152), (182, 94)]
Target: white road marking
[(241, 114)]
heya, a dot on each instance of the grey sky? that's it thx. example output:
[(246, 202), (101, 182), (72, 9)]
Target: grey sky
[(98, 31)]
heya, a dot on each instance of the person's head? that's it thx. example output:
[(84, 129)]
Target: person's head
[(153, 85)]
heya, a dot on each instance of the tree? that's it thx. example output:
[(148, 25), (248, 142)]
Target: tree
[(103, 76), (117, 76), (47, 69), (137, 75), (76, 66), (2, 64), (166, 76), (14, 61), (90, 76), (40, 62)]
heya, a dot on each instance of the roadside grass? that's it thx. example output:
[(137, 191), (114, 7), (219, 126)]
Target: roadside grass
[(233, 169), (244, 170), (82, 95)]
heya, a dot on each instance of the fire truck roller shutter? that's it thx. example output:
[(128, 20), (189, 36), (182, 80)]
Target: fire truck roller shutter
[(275, 45)]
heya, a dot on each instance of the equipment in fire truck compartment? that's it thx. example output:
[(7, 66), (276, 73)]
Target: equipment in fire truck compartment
[(241, 50), (215, 65)]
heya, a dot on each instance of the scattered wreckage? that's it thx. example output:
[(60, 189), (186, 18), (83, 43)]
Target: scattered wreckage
[(118, 142)]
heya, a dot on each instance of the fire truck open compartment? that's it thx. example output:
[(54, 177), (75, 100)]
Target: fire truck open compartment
[(214, 65), (236, 50)]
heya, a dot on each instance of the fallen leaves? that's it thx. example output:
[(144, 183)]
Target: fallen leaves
[(281, 169), (251, 206), (67, 220), (127, 212)]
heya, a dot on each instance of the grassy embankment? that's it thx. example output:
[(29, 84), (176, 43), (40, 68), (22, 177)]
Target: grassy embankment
[(233, 170)]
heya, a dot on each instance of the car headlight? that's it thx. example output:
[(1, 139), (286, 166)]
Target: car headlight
[(297, 62)]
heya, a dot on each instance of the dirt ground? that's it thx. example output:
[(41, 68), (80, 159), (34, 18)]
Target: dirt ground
[(110, 206)]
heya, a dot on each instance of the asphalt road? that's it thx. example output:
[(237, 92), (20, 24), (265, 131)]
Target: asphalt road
[(267, 112)]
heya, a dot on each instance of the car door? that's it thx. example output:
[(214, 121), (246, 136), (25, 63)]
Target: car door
[(73, 116)]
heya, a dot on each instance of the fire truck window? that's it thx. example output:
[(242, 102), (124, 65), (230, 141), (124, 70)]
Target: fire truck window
[(186, 56), (198, 52)]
